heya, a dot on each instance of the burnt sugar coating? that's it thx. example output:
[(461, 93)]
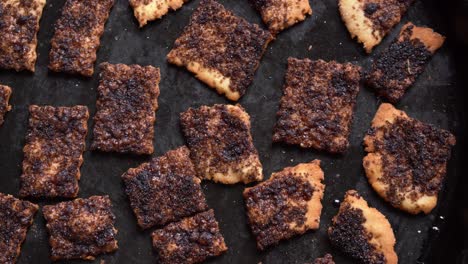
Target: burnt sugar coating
[(281, 14), (53, 152), (317, 106), (396, 69), (5, 93), (287, 204), (126, 108), (220, 144), (77, 36), (16, 216), (362, 232), (19, 24), (148, 10), (221, 49), (164, 190), (81, 229), (407, 159), (191, 240), (327, 259), (370, 20)]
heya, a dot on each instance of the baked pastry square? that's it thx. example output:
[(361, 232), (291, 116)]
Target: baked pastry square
[(19, 24), (281, 14), (16, 216), (148, 10), (287, 204), (81, 229), (191, 240), (220, 144), (370, 20), (317, 106), (126, 108), (407, 159), (5, 93), (221, 49), (77, 36), (164, 190), (396, 69), (53, 152), (362, 232)]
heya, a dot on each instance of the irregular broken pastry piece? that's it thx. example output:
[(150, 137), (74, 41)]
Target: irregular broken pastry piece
[(77, 36), (221, 49), (191, 240), (5, 93), (148, 10), (126, 108), (396, 68), (317, 106), (327, 259), (371, 20), (81, 229), (19, 24), (220, 144), (165, 189), (407, 159), (281, 14), (362, 232), (287, 204), (53, 152), (16, 216)]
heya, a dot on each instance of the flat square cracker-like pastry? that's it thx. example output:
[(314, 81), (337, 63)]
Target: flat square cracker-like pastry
[(19, 24), (317, 106), (126, 108), (287, 204), (148, 10), (362, 232), (191, 240), (81, 229), (221, 49), (220, 144), (396, 69), (164, 190), (16, 216), (407, 159), (53, 152), (370, 20), (281, 14), (77, 36), (5, 93)]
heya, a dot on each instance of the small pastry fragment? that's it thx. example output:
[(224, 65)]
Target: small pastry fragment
[(317, 106), (53, 152), (327, 259), (220, 144), (81, 229), (164, 190), (191, 240), (362, 232), (396, 68), (407, 159), (5, 93), (221, 49), (149, 10), (16, 216), (370, 20), (287, 204)]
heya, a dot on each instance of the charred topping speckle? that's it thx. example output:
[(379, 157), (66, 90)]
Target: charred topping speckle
[(5, 93), (385, 14), (327, 259)]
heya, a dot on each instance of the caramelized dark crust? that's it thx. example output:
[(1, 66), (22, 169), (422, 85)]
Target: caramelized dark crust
[(53, 152), (220, 144), (81, 229), (317, 106), (286, 205), (126, 106), (223, 50), (191, 240), (164, 190), (327, 259), (16, 216), (19, 24), (5, 93), (77, 36), (397, 68)]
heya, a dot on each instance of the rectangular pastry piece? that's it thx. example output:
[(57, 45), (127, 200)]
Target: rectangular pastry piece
[(5, 93), (148, 10)]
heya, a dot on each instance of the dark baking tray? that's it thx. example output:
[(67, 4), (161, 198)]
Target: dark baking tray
[(435, 98)]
